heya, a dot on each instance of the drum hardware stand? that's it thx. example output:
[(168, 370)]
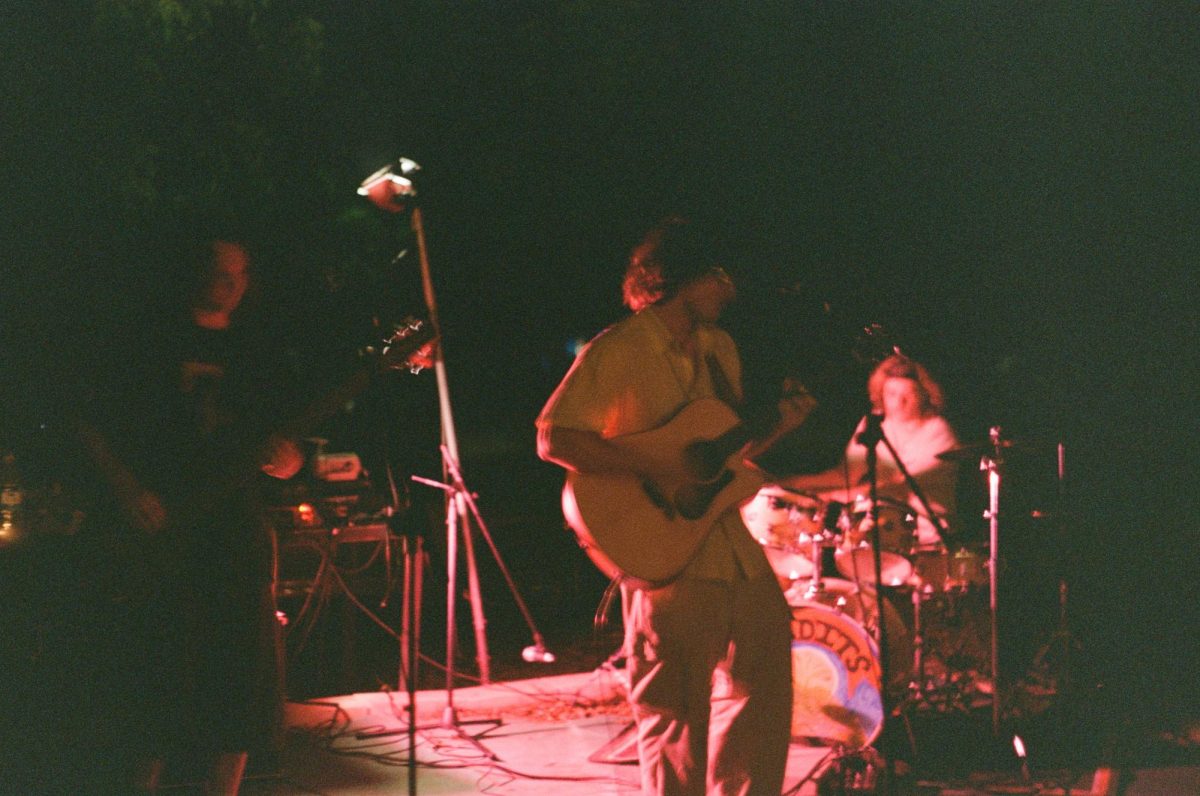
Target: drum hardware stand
[(818, 541), (1062, 637), (993, 465)]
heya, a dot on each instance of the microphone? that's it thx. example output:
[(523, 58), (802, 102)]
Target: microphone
[(389, 186), (873, 432), (537, 653)]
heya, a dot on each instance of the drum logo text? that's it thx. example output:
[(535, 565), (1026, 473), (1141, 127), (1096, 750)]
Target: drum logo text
[(847, 648)]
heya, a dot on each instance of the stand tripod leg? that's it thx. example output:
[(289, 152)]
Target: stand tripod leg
[(478, 621), (918, 645), (450, 714)]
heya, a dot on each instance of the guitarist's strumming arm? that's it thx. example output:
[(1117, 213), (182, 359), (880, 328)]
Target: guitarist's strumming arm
[(280, 457), (588, 452)]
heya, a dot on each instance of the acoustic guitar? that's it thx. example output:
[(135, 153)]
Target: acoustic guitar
[(646, 533)]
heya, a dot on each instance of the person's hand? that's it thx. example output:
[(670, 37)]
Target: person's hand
[(281, 458), (795, 404), (145, 510)]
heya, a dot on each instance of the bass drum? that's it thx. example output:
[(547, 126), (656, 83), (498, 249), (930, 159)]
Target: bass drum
[(862, 606), (836, 676), (840, 595)]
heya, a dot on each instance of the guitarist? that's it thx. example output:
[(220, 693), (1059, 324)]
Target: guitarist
[(196, 648), (708, 651)]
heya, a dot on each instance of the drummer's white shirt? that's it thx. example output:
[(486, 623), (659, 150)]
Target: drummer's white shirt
[(918, 446)]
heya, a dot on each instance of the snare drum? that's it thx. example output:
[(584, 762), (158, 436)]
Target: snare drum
[(836, 677), (897, 527)]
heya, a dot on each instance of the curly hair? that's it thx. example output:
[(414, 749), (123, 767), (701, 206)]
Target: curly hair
[(671, 255), (898, 366)]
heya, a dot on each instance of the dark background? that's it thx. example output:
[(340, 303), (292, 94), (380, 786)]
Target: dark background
[(1009, 190)]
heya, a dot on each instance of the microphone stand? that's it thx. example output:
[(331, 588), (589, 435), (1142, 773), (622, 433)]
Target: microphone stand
[(943, 532), (410, 633), (388, 188), (537, 652), (870, 438)]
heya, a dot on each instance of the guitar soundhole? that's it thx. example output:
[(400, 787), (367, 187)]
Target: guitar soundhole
[(704, 458)]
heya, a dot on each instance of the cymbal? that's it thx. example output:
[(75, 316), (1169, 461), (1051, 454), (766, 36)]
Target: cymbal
[(974, 450)]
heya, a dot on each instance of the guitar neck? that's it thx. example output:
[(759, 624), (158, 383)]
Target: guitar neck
[(706, 457)]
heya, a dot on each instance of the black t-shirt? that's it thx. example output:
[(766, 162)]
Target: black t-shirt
[(185, 409)]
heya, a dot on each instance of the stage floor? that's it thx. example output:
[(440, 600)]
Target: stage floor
[(561, 735), (552, 735)]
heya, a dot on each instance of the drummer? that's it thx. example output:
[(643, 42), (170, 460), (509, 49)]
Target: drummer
[(911, 403)]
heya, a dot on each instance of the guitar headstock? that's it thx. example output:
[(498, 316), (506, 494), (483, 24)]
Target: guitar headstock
[(410, 346)]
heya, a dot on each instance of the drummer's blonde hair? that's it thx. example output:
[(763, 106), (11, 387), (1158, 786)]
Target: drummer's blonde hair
[(898, 366)]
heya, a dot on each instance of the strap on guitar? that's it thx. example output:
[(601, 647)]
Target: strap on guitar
[(722, 386)]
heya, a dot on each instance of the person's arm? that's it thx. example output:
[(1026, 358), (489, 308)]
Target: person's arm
[(143, 508), (845, 477), (589, 452)]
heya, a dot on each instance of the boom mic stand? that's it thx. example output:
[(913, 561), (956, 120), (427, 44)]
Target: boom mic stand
[(943, 533), (870, 438), (390, 188), (454, 493)]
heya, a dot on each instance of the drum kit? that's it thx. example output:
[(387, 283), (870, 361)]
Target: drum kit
[(821, 553), (935, 606)]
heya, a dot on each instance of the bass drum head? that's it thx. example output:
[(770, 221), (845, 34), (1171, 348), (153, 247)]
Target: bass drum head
[(836, 677)]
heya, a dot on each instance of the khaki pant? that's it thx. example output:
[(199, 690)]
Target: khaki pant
[(710, 684)]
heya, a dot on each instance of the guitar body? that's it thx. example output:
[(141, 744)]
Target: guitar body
[(627, 530)]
